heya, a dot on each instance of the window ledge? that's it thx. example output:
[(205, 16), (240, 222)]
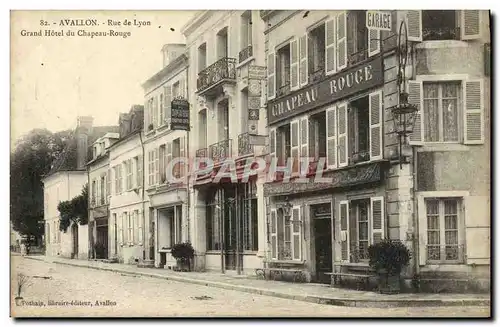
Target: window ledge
[(244, 62), (162, 127), (289, 262), (354, 264), (439, 44), (151, 132), (430, 147)]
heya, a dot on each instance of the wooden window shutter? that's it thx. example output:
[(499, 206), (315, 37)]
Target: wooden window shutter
[(294, 64), (271, 76), (272, 143), (342, 134), (108, 183), (331, 137), (296, 233), (470, 24), (473, 112), (168, 104), (330, 47), (182, 86), (274, 235), (344, 230), (124, 226), (295, 146), (378, 219), (376, 116), (157, 165), (341, 40), (415, 96), (303, 64), (373, 42), (304, 139), (414, 25), (140, 171), (168, 160)]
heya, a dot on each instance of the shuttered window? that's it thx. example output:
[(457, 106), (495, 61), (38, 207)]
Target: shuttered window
[(271, 76)]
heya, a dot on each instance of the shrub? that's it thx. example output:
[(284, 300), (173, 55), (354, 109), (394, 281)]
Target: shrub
[(390, 255), (183, 251)]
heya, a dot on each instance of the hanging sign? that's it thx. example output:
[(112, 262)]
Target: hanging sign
[(179, 118), (254, 87), (379, 20), (257, 72)]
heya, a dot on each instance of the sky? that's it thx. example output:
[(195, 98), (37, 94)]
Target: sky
[(55, 79)]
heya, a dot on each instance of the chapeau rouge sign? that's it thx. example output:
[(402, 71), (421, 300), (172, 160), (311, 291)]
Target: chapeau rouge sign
[(336, 87)]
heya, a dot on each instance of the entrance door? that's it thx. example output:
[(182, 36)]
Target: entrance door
[(230, 241), (102, 240), (323, 246)]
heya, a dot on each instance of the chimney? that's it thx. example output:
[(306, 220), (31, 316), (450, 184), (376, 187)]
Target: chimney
[(171, 51), (83, 130), (124, 124)]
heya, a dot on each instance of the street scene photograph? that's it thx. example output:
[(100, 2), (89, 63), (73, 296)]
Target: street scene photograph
[(250, 163)]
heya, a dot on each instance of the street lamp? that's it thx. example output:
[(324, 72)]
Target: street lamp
[(404, 113)]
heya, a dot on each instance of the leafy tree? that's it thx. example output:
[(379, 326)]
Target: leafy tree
[(74, 210), (31, 158)]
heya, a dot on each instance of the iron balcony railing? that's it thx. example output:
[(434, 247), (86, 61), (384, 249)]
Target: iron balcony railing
[(283, 90), (221, 150), (245, 54), (201, 153), (222, 69), (317, 75), (440, 33), (244, 146)]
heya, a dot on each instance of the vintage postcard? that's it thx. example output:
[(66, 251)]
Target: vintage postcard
[(250, 163)]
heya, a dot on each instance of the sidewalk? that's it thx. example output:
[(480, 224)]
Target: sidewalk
[(308, 292)]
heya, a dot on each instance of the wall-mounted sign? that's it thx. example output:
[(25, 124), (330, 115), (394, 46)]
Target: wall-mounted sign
[(359, 78), (257, 72), (379, 20), (179, 118)]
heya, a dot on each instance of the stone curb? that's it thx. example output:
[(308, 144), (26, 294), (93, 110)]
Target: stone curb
[(348, 302)]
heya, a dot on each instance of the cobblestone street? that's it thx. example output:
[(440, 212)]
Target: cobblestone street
[(107, 294)]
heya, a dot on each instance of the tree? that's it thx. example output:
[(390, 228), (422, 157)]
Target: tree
[(74, 210), (32, 158)]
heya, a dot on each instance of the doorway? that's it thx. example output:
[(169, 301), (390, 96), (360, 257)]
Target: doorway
[(322, 226), (74, 234)]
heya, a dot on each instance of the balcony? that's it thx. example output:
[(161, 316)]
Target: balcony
[(221, 150), (357, 57), (244, 146), (317, 75), (445, 33), (212, 77), (202, 153), (245, 54)]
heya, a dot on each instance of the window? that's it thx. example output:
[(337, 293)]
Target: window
[(316, 50), (162, 163), (140, 228), (250, 218), (441, 112), (108, 185), (283, 144), (358, 130), (130, 228), (202, 124), (283, 70), (118, 179), (124, 228), (213, 221), (176, 151), (202, 57), (94, 192), (139, 174), (440, 25), (443, 235), (157, 165), (156, 123), (167, 91), (222, 43), (129, 175), (246, 29), (103, 185), (357, 36), (286, 238), (362, 223), (317, 135), (151, 168)]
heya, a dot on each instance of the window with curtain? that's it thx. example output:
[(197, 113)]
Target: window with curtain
[(359, 229), (441, 112), (443, 230)]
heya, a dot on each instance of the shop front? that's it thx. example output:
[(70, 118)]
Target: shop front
[(325, 220), (168, 207)]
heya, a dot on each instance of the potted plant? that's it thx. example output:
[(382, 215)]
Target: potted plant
[(388, 258), (183, 253)]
